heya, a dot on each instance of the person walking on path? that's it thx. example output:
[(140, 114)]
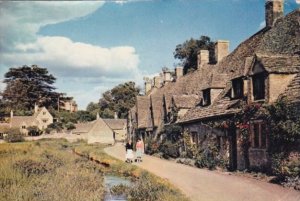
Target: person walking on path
[(129, 151), (139, 150)]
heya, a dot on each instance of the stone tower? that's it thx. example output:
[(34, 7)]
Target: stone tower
[(274, 10)]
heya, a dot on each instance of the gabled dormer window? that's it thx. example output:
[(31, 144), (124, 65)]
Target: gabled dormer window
[(206, 97), (237, 88), (258, 84)]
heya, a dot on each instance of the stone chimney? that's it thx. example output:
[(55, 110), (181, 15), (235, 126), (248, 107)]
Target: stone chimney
[(36, 108), (167, 75), (203, 58), (221, 50), (11, 117), (148, 85), (179, 71), (157, 81), (274, 10)]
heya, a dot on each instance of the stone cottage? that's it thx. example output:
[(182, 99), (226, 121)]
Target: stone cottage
[(105, 131), (41, 119), (261, 69)]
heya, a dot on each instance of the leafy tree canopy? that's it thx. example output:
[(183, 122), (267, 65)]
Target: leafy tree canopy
[(119, 99), (187, 52), (26, 86)]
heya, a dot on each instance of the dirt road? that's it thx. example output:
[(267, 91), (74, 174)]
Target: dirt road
[(205, 185)]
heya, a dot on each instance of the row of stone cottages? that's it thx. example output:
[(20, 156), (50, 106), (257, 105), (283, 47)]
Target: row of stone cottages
[(261, 69)]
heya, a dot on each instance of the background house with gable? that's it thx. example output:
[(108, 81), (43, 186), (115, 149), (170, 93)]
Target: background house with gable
[(105, 131), (41, 119)]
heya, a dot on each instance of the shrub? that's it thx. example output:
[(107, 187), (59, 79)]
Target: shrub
[(151, 147), (14, 135), (57, 126), (34, 131), (169, 149), (70, 126), (31, 167)]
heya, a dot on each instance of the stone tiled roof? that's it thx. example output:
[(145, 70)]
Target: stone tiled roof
[(280, 64), (234, 63), (116, 124), (282, 39), (143, 109), (83, 127), (222, 106), (17, 121), (4, 127), (185, 101), (157, 109)]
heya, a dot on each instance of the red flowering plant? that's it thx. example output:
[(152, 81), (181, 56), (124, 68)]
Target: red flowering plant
[(242, 121)]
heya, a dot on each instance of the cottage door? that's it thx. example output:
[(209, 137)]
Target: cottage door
[(232, 148)]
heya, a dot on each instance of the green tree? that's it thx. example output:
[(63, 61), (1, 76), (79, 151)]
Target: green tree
[(26, 86), (93, 108), (119, 99), (187, 52), (85, 116)]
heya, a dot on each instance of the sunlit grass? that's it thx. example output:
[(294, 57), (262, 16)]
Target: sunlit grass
[(50, 170)]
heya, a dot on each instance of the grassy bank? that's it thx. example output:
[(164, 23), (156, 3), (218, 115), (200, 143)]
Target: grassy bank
[(147, 186), (49, 170)]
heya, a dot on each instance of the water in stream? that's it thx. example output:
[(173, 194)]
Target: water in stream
[(111, 181)]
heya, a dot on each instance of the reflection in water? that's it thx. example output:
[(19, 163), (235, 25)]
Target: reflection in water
[(111, 181)]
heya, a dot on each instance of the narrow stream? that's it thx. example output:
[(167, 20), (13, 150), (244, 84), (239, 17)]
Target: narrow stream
[(110, 181)]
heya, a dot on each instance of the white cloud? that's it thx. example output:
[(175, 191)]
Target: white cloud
[(93, 69), (20, 21), (60, 53)]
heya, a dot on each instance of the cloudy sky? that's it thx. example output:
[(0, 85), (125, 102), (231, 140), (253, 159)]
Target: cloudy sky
[(92, 46)]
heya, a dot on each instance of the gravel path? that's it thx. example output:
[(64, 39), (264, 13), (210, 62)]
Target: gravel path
[(205, 185)]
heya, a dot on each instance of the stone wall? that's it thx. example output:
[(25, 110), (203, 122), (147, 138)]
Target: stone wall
[(277, 83)]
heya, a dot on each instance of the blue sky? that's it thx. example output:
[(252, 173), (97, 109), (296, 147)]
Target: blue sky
[(92, 46)]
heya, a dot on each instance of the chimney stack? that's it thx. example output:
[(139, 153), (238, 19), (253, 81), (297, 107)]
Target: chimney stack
[(36, 108), (203, 58), (274, 10), (157, 81), (167, 75), (221, 50), (148, 85), (179, 71)]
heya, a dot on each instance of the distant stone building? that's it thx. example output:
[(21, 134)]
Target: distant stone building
[(261, 69), (41, 119), (105, 131), (68, 104)]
